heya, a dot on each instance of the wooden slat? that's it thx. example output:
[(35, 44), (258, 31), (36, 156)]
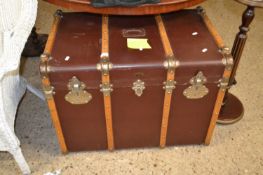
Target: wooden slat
[(55, 119), (52, 34), (166, 112), (170, 77), (106, 80), (212, 30), (216, 111), (46, 83), (105, 35), (226, 75), (164, 37)]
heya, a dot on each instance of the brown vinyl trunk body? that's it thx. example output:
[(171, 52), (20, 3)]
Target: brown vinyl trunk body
[(136, 120)]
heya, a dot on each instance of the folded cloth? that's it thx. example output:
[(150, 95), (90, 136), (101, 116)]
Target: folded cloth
[(127, 3)]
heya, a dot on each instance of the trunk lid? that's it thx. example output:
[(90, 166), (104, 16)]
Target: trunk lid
[(196, 52)]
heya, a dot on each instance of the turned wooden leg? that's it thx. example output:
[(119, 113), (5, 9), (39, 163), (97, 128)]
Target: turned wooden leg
[(35, 44), (232, 109)]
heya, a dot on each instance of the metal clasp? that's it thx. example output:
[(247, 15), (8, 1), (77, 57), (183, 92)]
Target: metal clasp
[(58, 13), (106, 88), (138, 87), (169, 86), (224, 84), (48, 91), (197, 89), (77, 93)]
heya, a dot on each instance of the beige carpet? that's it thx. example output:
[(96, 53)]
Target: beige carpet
[(235, 149)]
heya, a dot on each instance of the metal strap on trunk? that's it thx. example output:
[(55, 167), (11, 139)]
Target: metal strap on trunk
[(106, 88), (170, 64)]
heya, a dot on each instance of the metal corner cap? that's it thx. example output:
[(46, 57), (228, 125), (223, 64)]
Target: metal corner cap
[(200, 10), (58, 13)]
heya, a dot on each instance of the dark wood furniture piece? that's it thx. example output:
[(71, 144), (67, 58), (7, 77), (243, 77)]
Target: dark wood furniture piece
[(232, 110), (36, 42), (164, 6)]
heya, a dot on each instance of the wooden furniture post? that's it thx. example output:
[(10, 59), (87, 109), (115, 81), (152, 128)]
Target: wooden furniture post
[(232, 109)]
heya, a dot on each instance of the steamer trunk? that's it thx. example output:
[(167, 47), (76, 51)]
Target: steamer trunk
[(75, 50)]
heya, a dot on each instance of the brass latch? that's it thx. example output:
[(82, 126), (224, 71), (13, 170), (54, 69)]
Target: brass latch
[(138, 87), (169, 86), (106, 88), (224, 84), (77, 94), (197, 89), (49, 91)]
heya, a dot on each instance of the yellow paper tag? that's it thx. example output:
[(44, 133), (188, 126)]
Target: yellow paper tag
[(138, 43)]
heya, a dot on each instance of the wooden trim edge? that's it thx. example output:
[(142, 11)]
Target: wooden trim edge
[(170, 77), (226, 75), (218, 39), (105, 78), (46, 83), (217, 108)]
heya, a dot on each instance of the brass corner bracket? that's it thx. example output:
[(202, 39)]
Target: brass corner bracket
[(200, 10), (58, 13)]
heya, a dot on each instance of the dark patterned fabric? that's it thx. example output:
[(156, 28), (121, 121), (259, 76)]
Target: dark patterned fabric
[(127, 3)]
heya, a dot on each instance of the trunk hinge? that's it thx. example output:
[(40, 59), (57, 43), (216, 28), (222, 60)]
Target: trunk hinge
[(49, 91), (228, 60), (106, 88), (169, 86), (171, 63), (223, 84), (105, 65), (43, 68)]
